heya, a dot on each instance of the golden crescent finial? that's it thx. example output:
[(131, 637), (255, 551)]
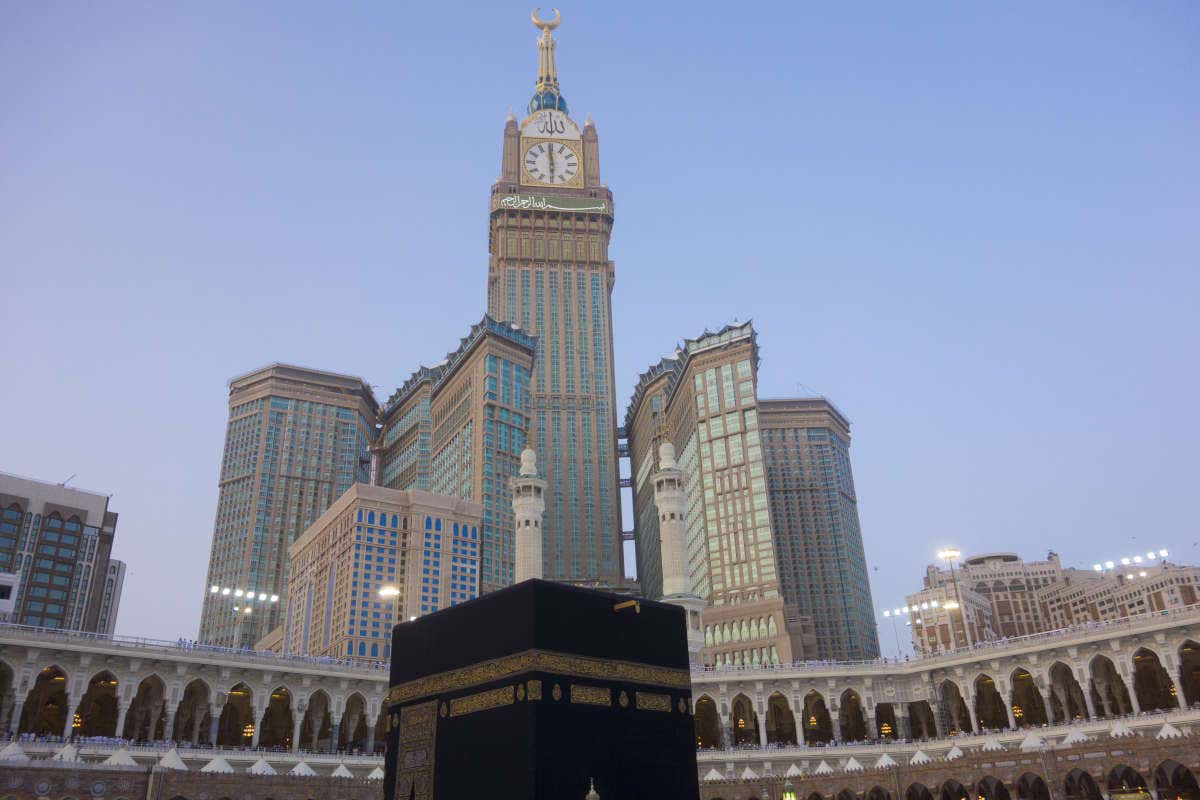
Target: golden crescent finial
[(543, 25)]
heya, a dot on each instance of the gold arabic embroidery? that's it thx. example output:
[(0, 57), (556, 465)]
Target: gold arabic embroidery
[(539, 661)]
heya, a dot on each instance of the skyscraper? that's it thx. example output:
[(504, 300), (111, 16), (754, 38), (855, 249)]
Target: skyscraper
[(458, 429), (549, 272), (703, 400), (814, 511), (58, 539), (296, 440)]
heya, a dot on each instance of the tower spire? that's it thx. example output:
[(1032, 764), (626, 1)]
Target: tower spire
[(546, 93)]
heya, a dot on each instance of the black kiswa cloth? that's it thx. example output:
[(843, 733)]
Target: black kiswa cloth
[(532, 691)]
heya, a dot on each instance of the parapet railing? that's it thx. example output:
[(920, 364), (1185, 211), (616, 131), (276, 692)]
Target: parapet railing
[(1085, 629), (372, 668), (377, 669), (1093, 728)]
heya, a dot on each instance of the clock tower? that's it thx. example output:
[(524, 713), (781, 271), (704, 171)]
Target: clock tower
[(548, 271)]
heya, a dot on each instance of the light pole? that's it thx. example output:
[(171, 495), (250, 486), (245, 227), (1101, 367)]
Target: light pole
[(394, 593), (245, 600), (950, 554), (895, 633)]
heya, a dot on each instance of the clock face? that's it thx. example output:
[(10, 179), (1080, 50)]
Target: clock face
[(552, 163)]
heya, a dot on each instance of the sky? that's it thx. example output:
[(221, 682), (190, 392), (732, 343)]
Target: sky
[(974, 227)]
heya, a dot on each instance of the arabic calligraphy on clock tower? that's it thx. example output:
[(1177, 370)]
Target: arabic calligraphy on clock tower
[(549, 272)]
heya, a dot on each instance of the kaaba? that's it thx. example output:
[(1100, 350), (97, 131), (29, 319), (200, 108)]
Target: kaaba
[(536, 691)]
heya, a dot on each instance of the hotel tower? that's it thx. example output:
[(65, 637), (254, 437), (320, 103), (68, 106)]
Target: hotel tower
[(549, 272)]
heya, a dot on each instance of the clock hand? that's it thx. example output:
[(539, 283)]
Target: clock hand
[(551, 163)]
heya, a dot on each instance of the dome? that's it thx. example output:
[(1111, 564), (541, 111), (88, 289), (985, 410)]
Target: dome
[(548, 99)]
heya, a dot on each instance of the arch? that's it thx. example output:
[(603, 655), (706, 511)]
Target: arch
[(851, 717), (235, 725), (46, 703), (1189, 671), (990, 710), (1174, 780), (954, 707), (781, 722), (845, 794), (352, 732), (1066, 695), (818, 726), (1080, 785), (97, 712), (1028, 704), (317, 726), (917, 791), (953, 790), (992, 788), (921, 722), (1109, 693), (1123, 777), (744, 721), (886, 725), (878, 793), (1153, 686), (146, 716), (1032, 786), (275, 727), (192, 712)]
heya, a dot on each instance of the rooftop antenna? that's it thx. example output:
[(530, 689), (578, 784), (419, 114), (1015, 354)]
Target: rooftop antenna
[(68, 480)]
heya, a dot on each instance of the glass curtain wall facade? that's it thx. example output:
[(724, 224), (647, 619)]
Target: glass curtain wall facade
[(549, 272), (704, 400), (59, 539), (814, 508), (458, 428), (295, 441)]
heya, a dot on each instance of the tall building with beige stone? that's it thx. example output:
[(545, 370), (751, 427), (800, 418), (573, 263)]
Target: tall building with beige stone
[(295, 440), (458, 429), (703, 400), (1003, 596), (549, 271), (420, 548)]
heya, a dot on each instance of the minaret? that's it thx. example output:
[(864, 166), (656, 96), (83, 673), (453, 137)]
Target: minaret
[(670, 500), (528, 503)]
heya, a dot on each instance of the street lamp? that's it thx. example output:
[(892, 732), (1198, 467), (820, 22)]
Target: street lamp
[(949, 554)]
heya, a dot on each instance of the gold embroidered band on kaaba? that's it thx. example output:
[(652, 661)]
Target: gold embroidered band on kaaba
[(499, 669)]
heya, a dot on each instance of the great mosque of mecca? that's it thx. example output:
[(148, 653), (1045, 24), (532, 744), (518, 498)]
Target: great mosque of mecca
[(1095, 711), (1087, 713)]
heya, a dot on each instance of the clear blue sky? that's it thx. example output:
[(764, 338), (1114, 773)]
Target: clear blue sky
[(975, 228)]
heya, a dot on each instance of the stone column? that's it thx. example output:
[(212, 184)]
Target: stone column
[(762, 727), (370, 739), (122, 712), (70, 721), (334, 732), (169, 725), (1048, 702), (835, 723), (1087, 701), (14, 726), (726, 732), (214, 724), (1012, 720), (903, 722), (258, 723), (971, 713), (872, 728), (1133, 698), (197, 718), (297, 721)]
